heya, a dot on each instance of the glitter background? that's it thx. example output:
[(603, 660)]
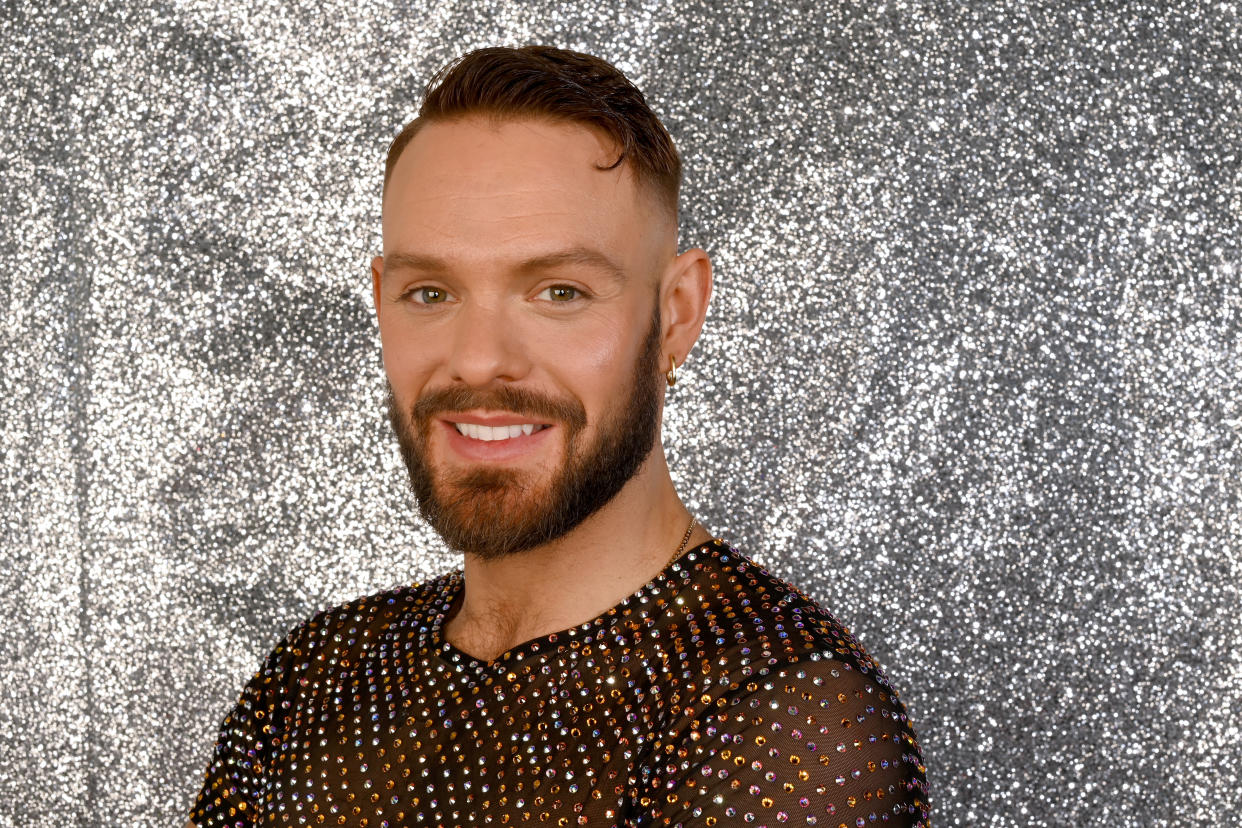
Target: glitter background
[(971, 375)]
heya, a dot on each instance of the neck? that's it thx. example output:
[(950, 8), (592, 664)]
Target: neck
[(578, 576)]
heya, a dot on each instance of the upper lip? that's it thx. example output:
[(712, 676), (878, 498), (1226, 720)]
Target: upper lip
[(491, 419)]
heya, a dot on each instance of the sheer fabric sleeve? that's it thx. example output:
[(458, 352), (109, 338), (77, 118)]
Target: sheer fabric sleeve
[(232, 790), (814, 742)]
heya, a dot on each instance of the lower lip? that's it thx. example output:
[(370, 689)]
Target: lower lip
[(514, 448)]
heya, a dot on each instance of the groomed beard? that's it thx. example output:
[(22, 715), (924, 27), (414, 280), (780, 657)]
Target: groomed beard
[(494, 512)]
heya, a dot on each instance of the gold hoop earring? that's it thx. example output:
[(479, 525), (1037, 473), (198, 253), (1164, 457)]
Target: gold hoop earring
[(671, 373)]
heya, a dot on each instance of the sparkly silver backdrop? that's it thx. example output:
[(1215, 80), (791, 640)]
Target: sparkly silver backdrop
[(971, 375)]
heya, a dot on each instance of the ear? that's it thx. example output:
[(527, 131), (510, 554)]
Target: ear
[(685, 292), (377, 277)]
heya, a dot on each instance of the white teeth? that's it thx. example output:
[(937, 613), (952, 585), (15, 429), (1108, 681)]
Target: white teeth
[(490, 433)]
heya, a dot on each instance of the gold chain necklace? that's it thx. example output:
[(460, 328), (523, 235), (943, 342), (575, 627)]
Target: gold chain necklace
[(685, 539)]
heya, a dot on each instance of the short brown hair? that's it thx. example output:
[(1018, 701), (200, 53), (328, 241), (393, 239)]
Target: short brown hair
[(558, 84)]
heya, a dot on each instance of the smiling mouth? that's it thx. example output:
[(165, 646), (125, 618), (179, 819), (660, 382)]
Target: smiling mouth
[(494, 433)]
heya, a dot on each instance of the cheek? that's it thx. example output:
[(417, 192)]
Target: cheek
[(406, 356), (601, 355), (594, 362)]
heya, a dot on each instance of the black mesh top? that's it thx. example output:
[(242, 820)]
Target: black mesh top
[(717, 694)]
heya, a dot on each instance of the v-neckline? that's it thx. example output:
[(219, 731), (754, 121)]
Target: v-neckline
[(454, 590)]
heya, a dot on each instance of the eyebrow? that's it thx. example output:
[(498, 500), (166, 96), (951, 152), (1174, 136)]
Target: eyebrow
[(578, 255)]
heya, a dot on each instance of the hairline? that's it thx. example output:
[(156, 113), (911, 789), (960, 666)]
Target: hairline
[(497, 117)]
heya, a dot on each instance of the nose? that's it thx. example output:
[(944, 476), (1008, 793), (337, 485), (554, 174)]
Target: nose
[(486, 345)]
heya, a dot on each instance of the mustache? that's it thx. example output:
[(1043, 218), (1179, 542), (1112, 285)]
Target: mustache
[(522, 401)]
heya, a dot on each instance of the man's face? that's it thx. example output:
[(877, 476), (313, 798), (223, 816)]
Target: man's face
[(520, 327)]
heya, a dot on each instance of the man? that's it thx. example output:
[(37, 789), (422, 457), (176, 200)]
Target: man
[(601, 659)]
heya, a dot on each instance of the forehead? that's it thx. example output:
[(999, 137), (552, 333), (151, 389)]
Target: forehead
[(476, 185)]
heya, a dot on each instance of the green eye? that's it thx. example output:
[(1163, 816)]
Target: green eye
[(430, 295)]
